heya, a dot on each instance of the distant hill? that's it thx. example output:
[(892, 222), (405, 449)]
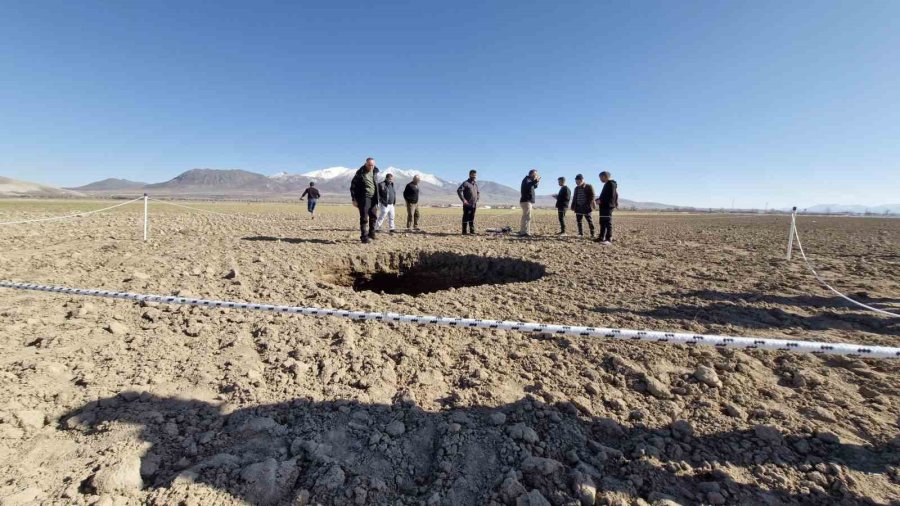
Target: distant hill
[(852, 209), (211, 182), (15, 188), (110, 184)]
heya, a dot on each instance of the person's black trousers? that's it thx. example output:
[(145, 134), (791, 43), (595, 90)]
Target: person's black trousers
[(468, 219), (562, 219), (368, 213), (606, 223), (587, 217)]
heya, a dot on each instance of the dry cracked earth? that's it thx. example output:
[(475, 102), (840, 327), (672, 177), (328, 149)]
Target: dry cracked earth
[(112, 402)]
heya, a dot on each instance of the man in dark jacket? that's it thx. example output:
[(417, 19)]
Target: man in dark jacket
[(583, 204), (387, 198), (562, 204), (608, 200), (411, 196), (529, 184), (468, 194), (314, 195), (364, 192)]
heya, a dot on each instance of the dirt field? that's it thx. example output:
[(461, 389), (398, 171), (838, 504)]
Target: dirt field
[(111, 402)]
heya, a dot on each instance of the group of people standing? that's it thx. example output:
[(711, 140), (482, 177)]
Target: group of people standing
[(582, 202), (376, 202)]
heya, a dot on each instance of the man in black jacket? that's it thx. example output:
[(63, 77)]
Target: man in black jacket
[(468, 194), (608, 200), (364, 192), (529, 184), (583, 204), (562, 204), (314, 196), (387, 198), (411, 196)]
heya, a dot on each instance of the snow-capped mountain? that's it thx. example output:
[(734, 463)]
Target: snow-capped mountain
[(423, 176), (330, 173), (347, 173)]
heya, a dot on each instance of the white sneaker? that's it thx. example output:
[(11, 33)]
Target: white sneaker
[(606, 243)]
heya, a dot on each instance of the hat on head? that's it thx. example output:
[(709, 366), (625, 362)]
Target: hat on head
[(579, 176), (604, 173)]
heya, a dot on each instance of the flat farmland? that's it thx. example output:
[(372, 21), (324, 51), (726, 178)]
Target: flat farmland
[(115, 402)]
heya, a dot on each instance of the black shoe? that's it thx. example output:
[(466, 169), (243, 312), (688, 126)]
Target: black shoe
[(372, 236), (364, 239), (391, 231)]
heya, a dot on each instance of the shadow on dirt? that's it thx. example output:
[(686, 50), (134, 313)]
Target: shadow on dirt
[(289, 240), (813, 301), (725, 313), (340, 452)]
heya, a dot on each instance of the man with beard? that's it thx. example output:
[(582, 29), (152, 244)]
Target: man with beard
[(364, 192)]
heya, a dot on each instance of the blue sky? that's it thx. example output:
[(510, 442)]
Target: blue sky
[(690, 103)]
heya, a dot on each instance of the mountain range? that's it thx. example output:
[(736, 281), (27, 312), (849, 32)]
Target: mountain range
[(334, 184)]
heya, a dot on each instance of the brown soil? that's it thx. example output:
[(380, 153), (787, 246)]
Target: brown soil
[(111, 402)]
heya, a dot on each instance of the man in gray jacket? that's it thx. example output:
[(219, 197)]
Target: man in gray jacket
[(468, 194), (364, 192), (387, 198)]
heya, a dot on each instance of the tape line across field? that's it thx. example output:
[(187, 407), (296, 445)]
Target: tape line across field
[(541, 328)]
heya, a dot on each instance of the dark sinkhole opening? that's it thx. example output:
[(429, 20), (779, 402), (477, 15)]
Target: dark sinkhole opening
[(416, 273)]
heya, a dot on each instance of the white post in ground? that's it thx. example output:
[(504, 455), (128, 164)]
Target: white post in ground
[(791, 233), (145, 217)]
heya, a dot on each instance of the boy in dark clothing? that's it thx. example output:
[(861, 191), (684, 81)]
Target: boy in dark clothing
[(583, 204), (364, 192), (608, 200), (562, 204), (411, 196), (314, 195), (468, 194), (387, 198)]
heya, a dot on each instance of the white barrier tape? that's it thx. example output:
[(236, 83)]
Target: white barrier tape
[(79, 215), (541, 328), (826, 285)]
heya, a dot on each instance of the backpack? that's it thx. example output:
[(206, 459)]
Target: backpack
[(615, 198)]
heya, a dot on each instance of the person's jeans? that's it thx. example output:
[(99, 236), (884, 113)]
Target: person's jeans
[(468, 218), (367, 215), (412, 215), (525, 227), (385, 211), (562, 219), (606, 223), (311, 205), (587, 217)]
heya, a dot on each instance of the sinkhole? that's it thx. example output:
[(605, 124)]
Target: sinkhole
[(415, 273)]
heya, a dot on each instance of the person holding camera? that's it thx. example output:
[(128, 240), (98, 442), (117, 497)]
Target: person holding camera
[(529, 184)]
